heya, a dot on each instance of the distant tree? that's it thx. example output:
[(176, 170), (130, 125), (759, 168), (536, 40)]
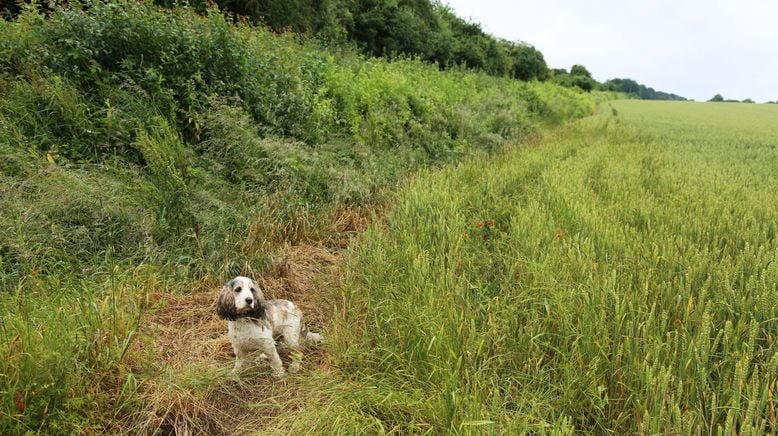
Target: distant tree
[(748, 100), (560, 76), (627, 86), (717, 98), (527, 63), (475, 49), (631, 87), (584, 83), (581, 78), (580, 70)]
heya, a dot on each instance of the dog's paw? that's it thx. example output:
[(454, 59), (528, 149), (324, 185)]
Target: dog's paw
[(278, 374), (294, 367)]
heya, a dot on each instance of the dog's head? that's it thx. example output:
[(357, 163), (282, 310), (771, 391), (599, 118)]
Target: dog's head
[(241, 297)]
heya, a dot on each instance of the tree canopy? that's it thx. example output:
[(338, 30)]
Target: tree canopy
[(390, 28)]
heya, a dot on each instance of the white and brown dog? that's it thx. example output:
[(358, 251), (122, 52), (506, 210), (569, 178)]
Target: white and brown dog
[(258, 325)]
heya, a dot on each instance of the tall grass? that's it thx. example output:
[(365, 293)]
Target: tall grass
[(148, 155), (621, 277), (63, 343)]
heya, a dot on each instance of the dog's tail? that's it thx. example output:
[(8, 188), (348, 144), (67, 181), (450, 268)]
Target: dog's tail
[(310, 336)]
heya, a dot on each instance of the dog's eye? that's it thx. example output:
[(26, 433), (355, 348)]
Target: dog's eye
[(237, 289)]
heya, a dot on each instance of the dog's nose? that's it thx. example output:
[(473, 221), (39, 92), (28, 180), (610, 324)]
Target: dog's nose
[(249, 300)]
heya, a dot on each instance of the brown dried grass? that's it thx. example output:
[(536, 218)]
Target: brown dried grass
[(184, 384)]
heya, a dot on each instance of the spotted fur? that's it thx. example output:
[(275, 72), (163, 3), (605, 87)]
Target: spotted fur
[(256, 325)]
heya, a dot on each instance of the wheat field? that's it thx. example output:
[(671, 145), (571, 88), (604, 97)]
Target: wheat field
[(619, 276)]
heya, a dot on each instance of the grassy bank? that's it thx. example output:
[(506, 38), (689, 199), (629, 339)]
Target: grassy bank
[(149, 155), (620, 277)]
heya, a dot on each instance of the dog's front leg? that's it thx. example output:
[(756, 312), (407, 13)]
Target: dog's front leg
[(276, 365), (239, 360)]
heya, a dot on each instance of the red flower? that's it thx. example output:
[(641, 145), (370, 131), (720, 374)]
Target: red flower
[(480, 224), (489, 223), (559, 234)]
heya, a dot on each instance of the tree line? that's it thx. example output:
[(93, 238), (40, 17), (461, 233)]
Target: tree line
[(425, 29), (632, 87), (422, 29), (719, 99)]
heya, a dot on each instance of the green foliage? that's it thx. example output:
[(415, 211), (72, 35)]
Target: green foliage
[(581, 78), (385, 28), (388, 28), (578, 77), (52, 112), (67, 220), (528, 63), (176, 59), (580, 70), (720, 99), (631, 87)]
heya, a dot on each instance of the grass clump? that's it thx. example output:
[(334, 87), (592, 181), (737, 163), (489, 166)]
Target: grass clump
[(61, 351)]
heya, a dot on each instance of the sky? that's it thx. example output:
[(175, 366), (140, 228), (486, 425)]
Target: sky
[(693, 48)]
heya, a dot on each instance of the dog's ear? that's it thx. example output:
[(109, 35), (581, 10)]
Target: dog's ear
[(257, 291), (259, 301), (258, 311), (225, 304)]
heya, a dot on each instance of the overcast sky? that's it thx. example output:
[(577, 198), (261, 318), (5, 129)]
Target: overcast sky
[(694, 48)]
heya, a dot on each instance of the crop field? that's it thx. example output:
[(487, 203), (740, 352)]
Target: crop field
[(620, 276)]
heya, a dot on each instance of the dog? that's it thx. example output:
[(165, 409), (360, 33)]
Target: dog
[(258, 325)]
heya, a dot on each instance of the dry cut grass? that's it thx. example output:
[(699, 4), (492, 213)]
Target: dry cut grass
[(181, 378)]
